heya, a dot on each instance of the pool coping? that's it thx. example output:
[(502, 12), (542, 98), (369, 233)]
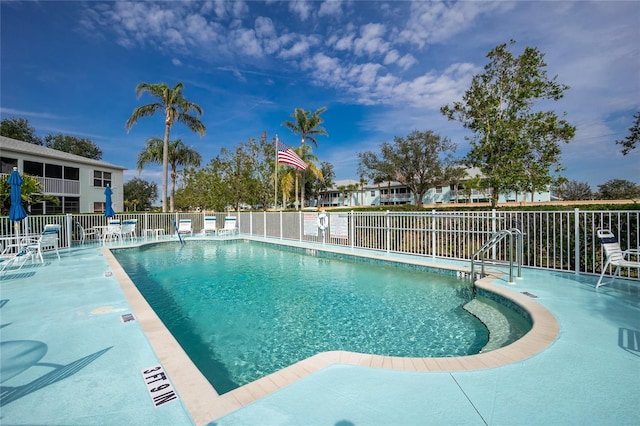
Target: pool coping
[(205, 404)]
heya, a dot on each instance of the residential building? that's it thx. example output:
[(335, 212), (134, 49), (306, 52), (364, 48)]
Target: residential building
[(77, 182), (346, 193)]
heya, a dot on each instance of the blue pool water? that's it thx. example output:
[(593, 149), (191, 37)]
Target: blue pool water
[(243, 310)]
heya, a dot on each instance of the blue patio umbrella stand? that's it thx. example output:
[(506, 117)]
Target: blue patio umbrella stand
[(108, 210), (16, 212)]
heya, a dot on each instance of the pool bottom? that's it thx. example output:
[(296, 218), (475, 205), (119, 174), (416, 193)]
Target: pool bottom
[(243, 311), (205, 404)]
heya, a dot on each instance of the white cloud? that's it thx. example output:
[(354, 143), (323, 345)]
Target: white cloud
[(301, 8), (436, 21), (406, 61), (345, 42), (371, 40), (264, 27), (23, 113), (330, 8), (245, 41)]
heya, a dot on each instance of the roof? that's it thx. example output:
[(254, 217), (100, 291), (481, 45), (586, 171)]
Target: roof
[(41, 151)]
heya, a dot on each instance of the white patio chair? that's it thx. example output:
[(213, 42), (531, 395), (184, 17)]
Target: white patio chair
[(210, 225), (83, 233), (113, 231), (129, 229), (184, 227), (615, 256), (48, 239), (230, 226)]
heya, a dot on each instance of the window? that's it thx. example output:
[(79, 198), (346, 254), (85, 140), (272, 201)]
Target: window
[(71, 205), (7, 164), (37, 208), (52, 208), (373, 193), (71, 173), (101, 179), (99, 207), (33, 168), (438, 190), (53, 171)]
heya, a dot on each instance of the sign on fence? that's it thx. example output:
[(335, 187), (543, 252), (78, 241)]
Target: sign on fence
[(311, 224), (339, 225)]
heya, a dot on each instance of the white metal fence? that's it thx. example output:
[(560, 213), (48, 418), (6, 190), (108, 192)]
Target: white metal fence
[(557, 240)]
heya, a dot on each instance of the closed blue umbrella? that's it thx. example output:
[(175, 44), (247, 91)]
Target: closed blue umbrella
[(108, 211), (16, 211)]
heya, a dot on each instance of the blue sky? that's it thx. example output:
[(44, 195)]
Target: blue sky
[(382, 69)]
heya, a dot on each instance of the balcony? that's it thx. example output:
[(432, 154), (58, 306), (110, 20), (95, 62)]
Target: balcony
[(53, 186)]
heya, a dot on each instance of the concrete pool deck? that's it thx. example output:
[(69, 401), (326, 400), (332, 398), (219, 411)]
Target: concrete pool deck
[(79, 363)]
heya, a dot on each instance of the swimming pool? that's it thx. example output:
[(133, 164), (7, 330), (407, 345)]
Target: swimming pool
[(244, 310)]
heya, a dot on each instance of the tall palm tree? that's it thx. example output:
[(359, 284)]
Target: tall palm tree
[(362, 182), (311, 160), (178, 154), (307, 125), (176, 109)]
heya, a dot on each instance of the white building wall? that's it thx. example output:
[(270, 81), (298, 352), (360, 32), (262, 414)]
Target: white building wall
[(84, 189)]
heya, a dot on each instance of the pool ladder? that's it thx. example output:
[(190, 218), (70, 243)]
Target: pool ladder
[(515, 251)]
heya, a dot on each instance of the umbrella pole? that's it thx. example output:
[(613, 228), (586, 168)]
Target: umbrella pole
[(17, 229)]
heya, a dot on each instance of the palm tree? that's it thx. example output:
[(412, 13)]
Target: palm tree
[(286, 184), (307, 125), (176, 109), (363, 182), (178, 154)]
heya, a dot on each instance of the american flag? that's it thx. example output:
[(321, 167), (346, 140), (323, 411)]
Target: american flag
[(287, 156)]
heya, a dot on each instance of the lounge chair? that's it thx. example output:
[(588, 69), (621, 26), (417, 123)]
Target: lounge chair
[(129, 228), (15, 262), (83, 233), (230, 226), (615, 256), (210, 225), (48, 239), (184, 227)]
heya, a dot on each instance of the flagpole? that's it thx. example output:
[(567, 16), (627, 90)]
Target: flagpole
[(275, 197)]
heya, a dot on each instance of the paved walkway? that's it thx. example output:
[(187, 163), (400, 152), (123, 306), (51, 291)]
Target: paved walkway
[(67, 358)]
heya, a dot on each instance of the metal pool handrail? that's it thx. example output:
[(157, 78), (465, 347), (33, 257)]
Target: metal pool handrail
[(515, 236)]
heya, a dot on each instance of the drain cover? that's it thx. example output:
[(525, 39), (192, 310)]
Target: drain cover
[(526, 293), (127, 318)]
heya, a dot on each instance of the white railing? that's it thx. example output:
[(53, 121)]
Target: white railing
[(557, 240), (54, 185)]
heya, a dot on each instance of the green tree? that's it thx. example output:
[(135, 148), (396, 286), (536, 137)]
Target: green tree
[(73, 145), (629, 143), (420, 161), (19, 129), (30, 192), (619, 189), (325, 181), (178, 154), (204, 187), (470, 185), (176, 108), (513, 144), (307, 125), (455, 176), (378, 170), (574, 190), (139, 194), (312, 172)]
